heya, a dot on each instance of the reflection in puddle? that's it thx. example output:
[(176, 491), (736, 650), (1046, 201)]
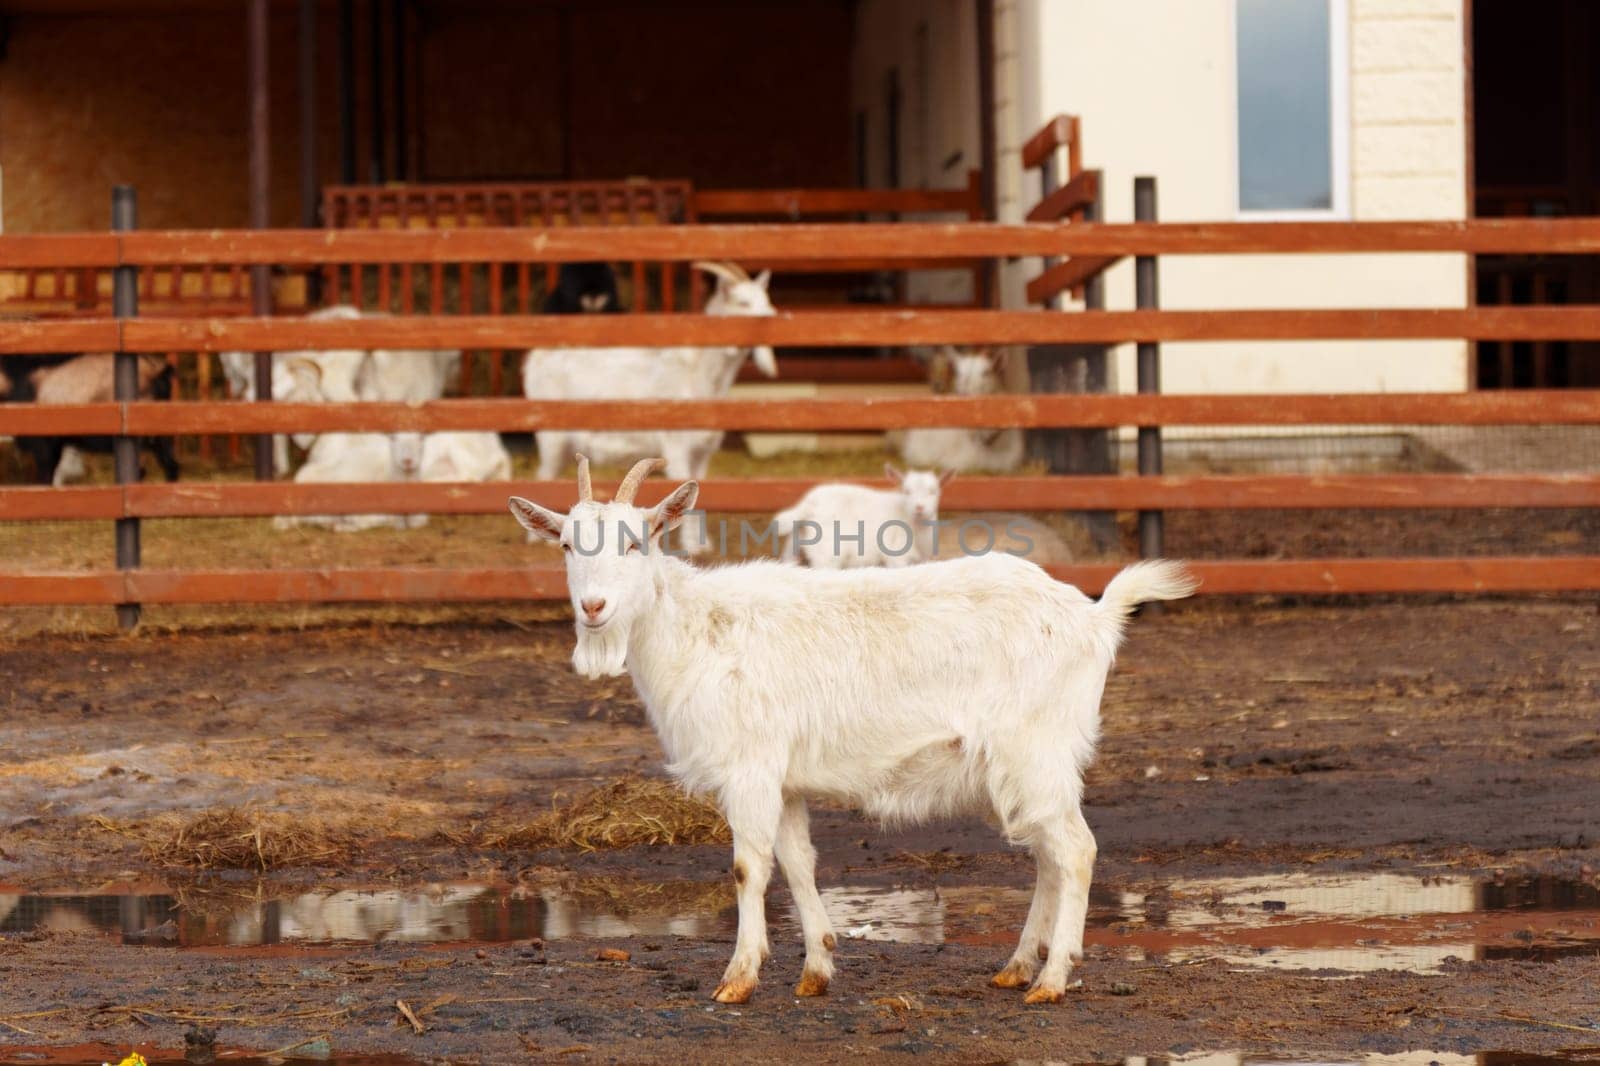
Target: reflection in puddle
[(1353, 923)]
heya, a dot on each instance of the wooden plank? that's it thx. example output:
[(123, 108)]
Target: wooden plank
[(1072, 198), (799, 203), (60, 588), (760, 495), (40, 337), (67, 419), (1553, 407), (34, 251), (370, 585), (1522, 407), (44, 502), (833, 241), (1056, 133), (1067, 274), (416, 584), (828, 329)]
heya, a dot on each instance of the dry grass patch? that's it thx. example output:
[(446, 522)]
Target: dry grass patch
[(230, 838), (627, 812)]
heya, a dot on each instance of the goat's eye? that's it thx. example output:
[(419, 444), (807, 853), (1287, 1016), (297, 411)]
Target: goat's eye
[(567, 548)]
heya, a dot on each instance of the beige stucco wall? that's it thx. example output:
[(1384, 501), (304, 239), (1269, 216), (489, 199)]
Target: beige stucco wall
[(1153, 81)]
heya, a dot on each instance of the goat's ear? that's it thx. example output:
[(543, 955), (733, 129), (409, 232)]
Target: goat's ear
[(669, 512), (943, 371), (763, 279), (944, 478), (891, 472), (1000, 359), (540, 521)]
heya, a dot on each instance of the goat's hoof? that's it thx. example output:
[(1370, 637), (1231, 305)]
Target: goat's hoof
[(734, 992), (811, 984), (1044, 995), (1013, 976)]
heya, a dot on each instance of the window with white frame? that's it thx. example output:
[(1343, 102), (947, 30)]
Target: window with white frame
[(1293, 92)]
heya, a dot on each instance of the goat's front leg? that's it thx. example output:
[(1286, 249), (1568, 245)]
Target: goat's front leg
[(752, 814), (1037, 931), (799, 861)]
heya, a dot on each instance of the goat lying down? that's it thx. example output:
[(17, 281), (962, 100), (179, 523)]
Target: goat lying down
[(958, 687)]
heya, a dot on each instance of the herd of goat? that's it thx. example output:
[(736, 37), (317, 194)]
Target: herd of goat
[(413, 376)]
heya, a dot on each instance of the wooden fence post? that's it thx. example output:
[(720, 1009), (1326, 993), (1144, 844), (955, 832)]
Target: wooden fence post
[(125, 385), (1147, 297)]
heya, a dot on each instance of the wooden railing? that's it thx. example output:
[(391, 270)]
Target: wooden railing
[(797, 243)]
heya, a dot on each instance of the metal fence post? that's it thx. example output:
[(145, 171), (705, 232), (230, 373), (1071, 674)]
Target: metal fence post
[(1147, 296), (125, 385), (260, 217)]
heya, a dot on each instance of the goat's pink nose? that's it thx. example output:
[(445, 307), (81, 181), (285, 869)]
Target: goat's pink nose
[(592, 608)]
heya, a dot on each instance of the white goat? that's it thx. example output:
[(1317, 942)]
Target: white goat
[(343, 375), (334, 380), (971, 685), (882, 527), (465, 457), (648, 373), (359, 457), (406, 376), (961, 449)]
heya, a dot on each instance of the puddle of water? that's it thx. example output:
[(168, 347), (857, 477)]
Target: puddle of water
[(1352, 924)]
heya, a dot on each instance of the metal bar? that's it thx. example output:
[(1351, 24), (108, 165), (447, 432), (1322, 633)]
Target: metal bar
[(260, 210), (402, 170), (347, 92), (309, 183), (125, 447), (377, 155), (1147, 296)]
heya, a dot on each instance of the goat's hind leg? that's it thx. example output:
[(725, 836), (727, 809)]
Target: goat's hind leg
[(1071, 847), (753, 813), (799, 861)]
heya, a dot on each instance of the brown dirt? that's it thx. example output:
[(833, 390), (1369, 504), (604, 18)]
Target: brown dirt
[(1241, 738)]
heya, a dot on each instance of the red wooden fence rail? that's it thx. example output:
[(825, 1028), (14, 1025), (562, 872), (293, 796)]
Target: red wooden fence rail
[(800, 241), (418, 584), (1526, 408), (765, 495), (803, 329)]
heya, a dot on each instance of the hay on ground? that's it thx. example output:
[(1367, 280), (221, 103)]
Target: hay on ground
[(234, 839), (627, 812)]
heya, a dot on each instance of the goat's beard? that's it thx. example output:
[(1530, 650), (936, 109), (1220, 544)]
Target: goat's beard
[(602, 654)]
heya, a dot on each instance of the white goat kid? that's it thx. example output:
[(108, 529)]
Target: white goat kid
[(649, 373), (359, 457), (971, 685), (960, 449), (837, 526)]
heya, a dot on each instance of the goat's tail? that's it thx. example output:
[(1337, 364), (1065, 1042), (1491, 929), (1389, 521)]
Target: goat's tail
[(1152, 579)]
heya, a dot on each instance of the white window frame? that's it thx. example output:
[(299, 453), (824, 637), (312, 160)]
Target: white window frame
[(1339, 122)]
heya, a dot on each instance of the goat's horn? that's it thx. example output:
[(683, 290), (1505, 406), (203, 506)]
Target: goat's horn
[(728, 271), (630, 484), (585, 489)]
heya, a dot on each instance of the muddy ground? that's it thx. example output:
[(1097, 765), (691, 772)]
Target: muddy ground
[(1431, 741)]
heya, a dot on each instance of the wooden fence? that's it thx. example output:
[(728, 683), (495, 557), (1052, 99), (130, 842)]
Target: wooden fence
[(798, 243)]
